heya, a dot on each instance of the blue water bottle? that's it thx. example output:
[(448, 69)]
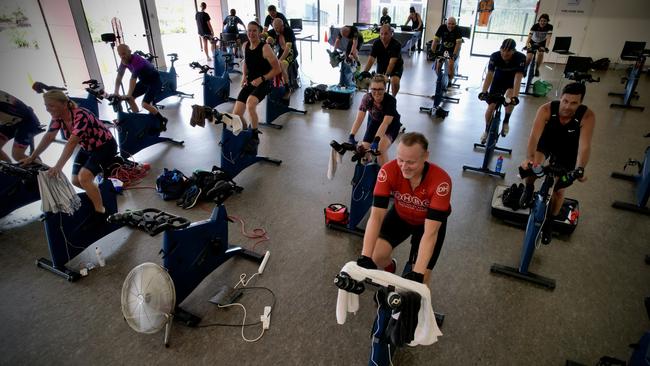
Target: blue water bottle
[(499, 164)]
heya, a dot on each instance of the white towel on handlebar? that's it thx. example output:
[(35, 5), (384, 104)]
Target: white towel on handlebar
[(57, 194), (335, 159), (426, 332)]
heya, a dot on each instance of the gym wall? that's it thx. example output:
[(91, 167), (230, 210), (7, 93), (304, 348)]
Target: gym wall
[(599, 27)]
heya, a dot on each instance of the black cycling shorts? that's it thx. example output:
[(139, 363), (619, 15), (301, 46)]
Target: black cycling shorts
[(392, 131), (395, 230), (259, 91), (150, 87), (97, 160), (563, 156)]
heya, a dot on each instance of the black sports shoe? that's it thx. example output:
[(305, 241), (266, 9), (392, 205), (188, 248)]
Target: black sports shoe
[(94, 221), (191, 197), (536, 72)]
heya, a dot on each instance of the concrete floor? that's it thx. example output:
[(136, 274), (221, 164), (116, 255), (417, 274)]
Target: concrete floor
[(595, 310)]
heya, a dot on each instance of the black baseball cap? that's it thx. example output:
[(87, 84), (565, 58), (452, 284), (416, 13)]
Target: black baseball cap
[(508, 44)]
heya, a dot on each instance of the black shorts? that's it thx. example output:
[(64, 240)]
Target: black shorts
[(562, 156), (259, 91), (398, 70), (150, 87), (23, 133), (395, 230), (500, 86), (97, 160), (392, 131)]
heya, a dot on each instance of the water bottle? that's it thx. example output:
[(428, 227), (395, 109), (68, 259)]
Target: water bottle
[(499, 164), (538, 170), (100, 258)]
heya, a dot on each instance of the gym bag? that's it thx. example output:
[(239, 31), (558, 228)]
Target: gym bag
[(171, 184), (339, 97), (541, 88), (336, 213)]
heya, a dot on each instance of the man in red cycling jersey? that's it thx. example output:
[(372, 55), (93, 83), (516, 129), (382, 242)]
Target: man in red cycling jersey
[(421, 191)]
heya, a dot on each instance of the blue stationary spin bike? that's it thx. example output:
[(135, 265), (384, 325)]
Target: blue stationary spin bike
[(389, 302), (442, 80), (492, 138), (538, 215), (363, 185), (216, 87), (167, 78), (137, 131)]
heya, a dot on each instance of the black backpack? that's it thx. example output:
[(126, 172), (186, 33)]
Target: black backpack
[(310, 95), (171, 184)]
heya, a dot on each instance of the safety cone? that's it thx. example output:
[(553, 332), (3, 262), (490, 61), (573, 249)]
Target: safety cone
[(326, 41)]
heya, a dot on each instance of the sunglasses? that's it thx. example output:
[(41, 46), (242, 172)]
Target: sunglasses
[(377, 90)]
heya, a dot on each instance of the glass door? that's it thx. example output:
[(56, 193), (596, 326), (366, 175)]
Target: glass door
[(123, 17), (306, 10)]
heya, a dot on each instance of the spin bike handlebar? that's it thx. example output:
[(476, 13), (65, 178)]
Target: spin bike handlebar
[(498, 99), (148, 56), (41, 88), (203, 68), (567, 177), (535, 47), (344, 282), (29, 171), (359, 150), (94, 88)]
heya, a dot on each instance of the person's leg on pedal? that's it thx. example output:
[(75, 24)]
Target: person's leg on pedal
[(153, 87), (540, 59), (555, 205), (450, 70), (394, 84), (489, 112), (505, 127)]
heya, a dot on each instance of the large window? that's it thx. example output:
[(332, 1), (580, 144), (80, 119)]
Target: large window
[(510, 19), (369, 11), (26, 52)]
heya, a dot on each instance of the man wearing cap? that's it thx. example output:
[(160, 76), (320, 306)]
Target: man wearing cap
[(505, 71)]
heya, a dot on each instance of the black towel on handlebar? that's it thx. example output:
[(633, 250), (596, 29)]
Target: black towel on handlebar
[(401, 326)]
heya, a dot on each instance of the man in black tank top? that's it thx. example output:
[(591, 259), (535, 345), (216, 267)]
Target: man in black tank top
[(260, 67), (562, 131)]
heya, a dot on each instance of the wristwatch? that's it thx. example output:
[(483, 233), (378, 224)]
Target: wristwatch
[(263, 78)]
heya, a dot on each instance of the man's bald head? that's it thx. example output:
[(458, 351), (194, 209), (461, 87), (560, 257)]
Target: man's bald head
[(124, 52), (385, 33), (278, 25)]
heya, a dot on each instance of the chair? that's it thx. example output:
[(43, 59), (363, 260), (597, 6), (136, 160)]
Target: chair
[(632, 50), (577, 64), (296, 25)]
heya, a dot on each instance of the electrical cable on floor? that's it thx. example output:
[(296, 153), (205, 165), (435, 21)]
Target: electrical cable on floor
[(258, 233), (244, 324)]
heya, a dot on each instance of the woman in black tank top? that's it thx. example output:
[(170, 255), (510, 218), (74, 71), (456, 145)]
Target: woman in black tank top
[(260, 67)]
